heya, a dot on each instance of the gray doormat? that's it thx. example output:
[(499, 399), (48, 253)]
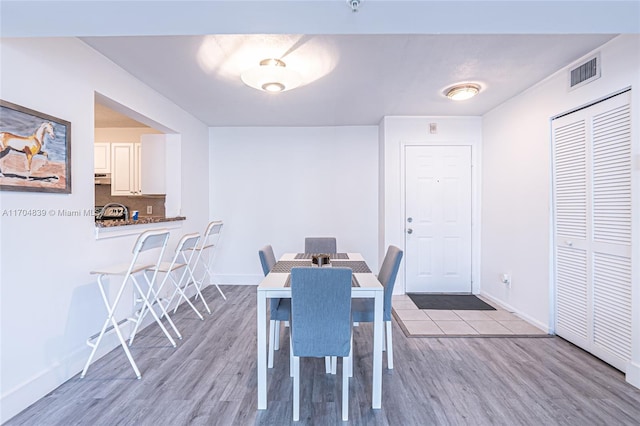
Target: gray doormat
[(454, 302)]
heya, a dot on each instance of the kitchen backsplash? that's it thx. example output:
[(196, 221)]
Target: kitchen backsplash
[(134, 202)]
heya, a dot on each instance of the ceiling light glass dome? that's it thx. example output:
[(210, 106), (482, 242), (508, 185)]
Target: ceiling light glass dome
[(271, 75), (461, 92)]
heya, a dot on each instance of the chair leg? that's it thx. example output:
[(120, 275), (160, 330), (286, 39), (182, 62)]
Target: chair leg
[(148, 306), (221, 293), (350, 363), (346, 362), (178, 289), (207, 269), (272, 330), (276, 335), (156, 296), (296, 388), (122, 343), (330, 364), (204, 302), (389, 347), (110, 319), (384, 342), (197, 288), (290, 357)]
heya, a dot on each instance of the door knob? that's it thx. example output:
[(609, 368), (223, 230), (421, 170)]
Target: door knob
[(409, 219), (409, 231)]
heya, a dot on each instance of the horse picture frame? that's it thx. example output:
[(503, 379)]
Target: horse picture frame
[(35, 151)]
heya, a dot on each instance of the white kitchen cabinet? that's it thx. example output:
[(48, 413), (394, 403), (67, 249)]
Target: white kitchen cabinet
[(153, 163), (125, 169), (137, 168), (102, 157)]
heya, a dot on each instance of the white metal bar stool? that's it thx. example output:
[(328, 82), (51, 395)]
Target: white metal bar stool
[(182, 259), (153, 297), (152, 239), (208, 243)]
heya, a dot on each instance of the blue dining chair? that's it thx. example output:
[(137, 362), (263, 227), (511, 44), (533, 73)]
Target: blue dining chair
[(320, 245), (321, 323), (363, 309), (280, 309)]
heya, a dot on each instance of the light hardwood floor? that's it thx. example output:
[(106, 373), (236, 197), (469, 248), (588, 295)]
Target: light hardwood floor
[(210, 379)]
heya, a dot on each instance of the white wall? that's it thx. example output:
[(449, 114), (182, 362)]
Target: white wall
[(398, 132), (49, 302), (516, 184), (279, 185)]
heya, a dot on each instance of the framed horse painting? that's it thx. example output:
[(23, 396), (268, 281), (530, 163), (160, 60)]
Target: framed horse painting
[(35, 151)]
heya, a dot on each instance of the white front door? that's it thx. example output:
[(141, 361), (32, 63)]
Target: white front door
[(438, 219)]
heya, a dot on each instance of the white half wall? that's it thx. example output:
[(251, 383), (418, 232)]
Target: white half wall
[(279, 185), (516, 184), (49, 303)]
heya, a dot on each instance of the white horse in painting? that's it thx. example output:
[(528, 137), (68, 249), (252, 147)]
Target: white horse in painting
[(29, 145)]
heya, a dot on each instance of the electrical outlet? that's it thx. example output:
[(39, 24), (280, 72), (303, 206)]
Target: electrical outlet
[(149, 209), (506, 279)]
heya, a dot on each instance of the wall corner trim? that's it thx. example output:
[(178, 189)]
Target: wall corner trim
[(633, 374)]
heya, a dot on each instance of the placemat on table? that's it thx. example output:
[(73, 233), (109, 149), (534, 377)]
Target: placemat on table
[(357, 266), (331, 255), (354, 281), (286, 265)]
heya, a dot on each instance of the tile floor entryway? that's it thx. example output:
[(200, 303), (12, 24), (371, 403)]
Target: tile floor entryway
[(441, 323)]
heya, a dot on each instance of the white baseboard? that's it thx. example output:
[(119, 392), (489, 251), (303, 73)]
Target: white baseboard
[(530, 320), (633, 374), (240, 279), (15, 400)]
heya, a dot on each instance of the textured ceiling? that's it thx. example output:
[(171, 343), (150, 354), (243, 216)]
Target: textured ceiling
[(391, 57), (349, 79)]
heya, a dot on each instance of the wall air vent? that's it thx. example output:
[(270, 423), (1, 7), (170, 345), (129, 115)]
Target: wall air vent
[(584, 73)]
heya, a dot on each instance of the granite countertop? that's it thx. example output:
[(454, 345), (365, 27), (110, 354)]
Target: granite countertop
[(140, 221)]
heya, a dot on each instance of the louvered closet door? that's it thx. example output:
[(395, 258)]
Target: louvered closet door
[(592, 198), (570, 148)]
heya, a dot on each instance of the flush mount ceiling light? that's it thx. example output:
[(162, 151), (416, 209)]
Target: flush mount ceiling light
[(461, 92), (272, 75)]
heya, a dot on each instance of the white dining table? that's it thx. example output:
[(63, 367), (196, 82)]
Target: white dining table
[(274, 286)]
